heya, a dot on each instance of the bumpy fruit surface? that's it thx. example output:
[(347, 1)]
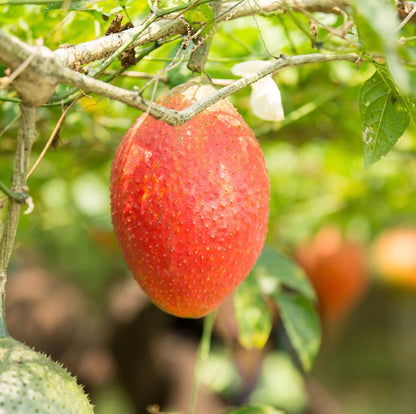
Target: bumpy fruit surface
[(32, 383), (337, 270), (394, 256), (190, 204)]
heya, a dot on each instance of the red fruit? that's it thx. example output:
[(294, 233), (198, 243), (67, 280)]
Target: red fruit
[(394, 256), (190, 204), (337, 270)]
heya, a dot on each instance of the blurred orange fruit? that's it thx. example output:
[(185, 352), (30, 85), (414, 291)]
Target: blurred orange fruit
[(337, 270), (394, 256), (103, 238)]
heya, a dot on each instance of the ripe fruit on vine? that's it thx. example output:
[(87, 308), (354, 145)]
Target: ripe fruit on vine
[(394, 256), (31, 382), (337, 270), (190, 203)]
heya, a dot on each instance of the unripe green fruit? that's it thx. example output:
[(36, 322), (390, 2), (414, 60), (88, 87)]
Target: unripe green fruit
[(190, 203), (32, 383)]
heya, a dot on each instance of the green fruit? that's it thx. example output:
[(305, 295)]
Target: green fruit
[(190, 203), (31, 382)]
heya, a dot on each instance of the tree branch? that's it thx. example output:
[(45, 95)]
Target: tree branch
[(91, 51), (273, 66), (104, 46), (37, 82), (45, 69), (36, 71), (173, 117), (251, 7), (48, 67), (33, 87), (27, 133)]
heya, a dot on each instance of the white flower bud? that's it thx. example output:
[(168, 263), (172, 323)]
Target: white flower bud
[(265, 99)]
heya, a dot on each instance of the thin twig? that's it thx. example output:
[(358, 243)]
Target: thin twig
[(20, 197), (73, 94), (341, 34), (51, 138), (174, 117), (408, 17), (123, 47), (50, 70), (91, 51), (9, 125), (135, 74)]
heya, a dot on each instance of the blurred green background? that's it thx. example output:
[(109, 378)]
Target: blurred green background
[(71, 295)]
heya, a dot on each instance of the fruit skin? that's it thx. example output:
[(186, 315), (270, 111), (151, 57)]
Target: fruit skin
[(31, 382), (394, 256), (337, 270), (190, 204)]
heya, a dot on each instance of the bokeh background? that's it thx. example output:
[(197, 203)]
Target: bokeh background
[(70, 294)]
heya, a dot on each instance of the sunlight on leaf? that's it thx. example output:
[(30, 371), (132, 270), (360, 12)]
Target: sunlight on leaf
[(271, 275), (254, 319), (384, 116), (273, 270), (202, 14)]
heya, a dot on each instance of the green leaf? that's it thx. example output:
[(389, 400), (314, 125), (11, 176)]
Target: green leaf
[(96, 14), (376, 22), (274, 270), (167, 4), (302, 325), (254, 318), (202, 14), (269, 277), (115, 10), (73, 5), (79, 6), (256, 409), (384, 114), (408, 102)]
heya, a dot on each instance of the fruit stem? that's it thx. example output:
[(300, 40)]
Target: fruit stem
[(199, 55), (26, 136), (203, 352)]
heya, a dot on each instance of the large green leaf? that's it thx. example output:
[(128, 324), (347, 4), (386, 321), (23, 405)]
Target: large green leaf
[(254, 319), (279, 278), (302, 325), (274, 271), (384, 114), (256, 409)]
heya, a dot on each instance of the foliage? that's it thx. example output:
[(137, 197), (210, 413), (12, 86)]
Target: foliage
[(271, 277), (340, 116)]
